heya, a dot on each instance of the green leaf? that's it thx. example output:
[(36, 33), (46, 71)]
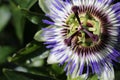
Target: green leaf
[(18, 18), (5, 15), (18, 21), (49, 71), (5, 51), (35, 18), (39, 60), (117, 75), (94, 77), (57, 69), (3, 78), (14, 76), (31, 50), (38, 36), (77, 78), (43, 6), (27, 4), (43, 71)]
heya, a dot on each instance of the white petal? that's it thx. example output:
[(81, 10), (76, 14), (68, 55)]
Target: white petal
[(84, 76), (43, 6), (52, 59), (108, 74)]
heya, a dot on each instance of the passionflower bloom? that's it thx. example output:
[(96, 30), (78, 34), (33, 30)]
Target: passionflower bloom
[(85, 35)]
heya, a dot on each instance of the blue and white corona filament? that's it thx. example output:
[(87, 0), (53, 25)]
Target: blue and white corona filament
[(84, 34)]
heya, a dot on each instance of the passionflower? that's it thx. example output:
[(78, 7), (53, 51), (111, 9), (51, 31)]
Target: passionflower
[(84, 35)]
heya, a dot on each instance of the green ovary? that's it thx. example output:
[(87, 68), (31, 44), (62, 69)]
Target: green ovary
[(89, 22)]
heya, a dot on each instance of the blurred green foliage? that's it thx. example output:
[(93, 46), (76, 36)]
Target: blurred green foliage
[(22, 57), (22, 53)]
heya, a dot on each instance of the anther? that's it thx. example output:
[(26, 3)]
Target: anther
[(75, 9)]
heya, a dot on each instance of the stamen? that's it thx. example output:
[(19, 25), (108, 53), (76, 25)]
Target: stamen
[(68, 40), (75, 10), (92, 36)]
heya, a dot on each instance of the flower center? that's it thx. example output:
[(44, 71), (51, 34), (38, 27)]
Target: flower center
[(85, 31)]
